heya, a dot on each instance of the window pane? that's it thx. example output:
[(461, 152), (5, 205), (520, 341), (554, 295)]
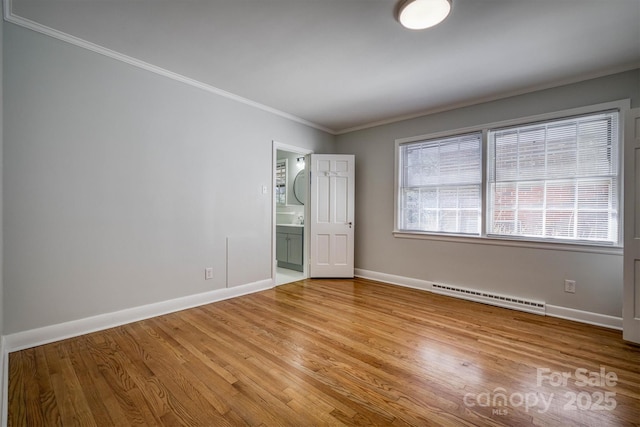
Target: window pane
[(449, 198), (506, 156), (429, 220), (469, 198), (531, 153), (595, 194), (469, 222), (429, 198), (530, 223), (530, 195), (561, 195), (448, 221), (411, 209), (559, 224), (593, 225), (561, 150)]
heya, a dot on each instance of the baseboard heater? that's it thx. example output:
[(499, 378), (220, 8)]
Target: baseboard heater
[(521, 304)]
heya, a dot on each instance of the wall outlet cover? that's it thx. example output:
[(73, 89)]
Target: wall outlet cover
[(570, 286)]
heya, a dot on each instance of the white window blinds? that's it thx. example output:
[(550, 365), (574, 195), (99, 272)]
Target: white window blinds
[(440, 185), (555, 180)]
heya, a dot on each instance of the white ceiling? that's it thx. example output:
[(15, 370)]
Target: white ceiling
[(347, 64)]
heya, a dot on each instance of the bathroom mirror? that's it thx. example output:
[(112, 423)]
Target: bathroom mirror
[(300, 186)]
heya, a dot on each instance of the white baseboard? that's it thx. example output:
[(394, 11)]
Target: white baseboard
[(596, 319), (4, 382), (392, 279), (590, 318), (74, 328)]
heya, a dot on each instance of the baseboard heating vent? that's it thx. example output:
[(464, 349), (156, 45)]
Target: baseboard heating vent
[(521, 304)]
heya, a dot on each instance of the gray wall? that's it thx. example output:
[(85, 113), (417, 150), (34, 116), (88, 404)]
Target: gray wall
[(121, 186), (524, 272)]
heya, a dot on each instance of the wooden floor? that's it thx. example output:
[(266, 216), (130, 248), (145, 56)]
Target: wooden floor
[(332, 352)]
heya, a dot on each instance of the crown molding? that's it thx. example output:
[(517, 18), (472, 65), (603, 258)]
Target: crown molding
[(496, 97), (9, 16)]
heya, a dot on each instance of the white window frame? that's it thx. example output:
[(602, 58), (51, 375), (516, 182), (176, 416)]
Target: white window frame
[(622, 106), (476, 137)]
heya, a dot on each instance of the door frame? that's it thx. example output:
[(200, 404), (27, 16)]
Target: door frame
[(306, 233)]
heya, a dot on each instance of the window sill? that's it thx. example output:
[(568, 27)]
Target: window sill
[(480, 240)]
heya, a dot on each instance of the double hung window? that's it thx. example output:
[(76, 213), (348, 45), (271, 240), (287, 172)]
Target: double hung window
[(556, 180), (550, 180), (441, 185)]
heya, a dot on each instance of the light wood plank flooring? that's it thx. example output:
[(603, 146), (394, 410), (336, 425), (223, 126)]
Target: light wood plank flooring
[(332, 352)]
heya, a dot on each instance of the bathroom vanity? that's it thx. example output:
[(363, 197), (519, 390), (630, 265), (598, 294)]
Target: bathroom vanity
[(289, 246)]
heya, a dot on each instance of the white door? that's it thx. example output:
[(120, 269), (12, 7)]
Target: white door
[(631, 299), (332, 215)]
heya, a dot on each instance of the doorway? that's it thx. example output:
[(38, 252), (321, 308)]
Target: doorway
[(290, 194)]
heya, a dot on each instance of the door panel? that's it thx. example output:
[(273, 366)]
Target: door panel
[(342, 199), (631, 300), (342, 249), (332, 215), (323, 194), (322, 249)]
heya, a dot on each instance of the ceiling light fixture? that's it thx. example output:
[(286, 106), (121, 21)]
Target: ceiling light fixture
[(421, 14)]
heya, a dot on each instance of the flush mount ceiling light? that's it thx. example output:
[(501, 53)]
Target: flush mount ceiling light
[(421, 14)]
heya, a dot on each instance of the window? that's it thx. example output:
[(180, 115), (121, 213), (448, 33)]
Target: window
[(555, 180), (441, 185), (281, 182), (552, 178)]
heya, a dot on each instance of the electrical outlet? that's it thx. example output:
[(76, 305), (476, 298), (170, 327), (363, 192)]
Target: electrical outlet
[(570, 286), (208, 273)]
